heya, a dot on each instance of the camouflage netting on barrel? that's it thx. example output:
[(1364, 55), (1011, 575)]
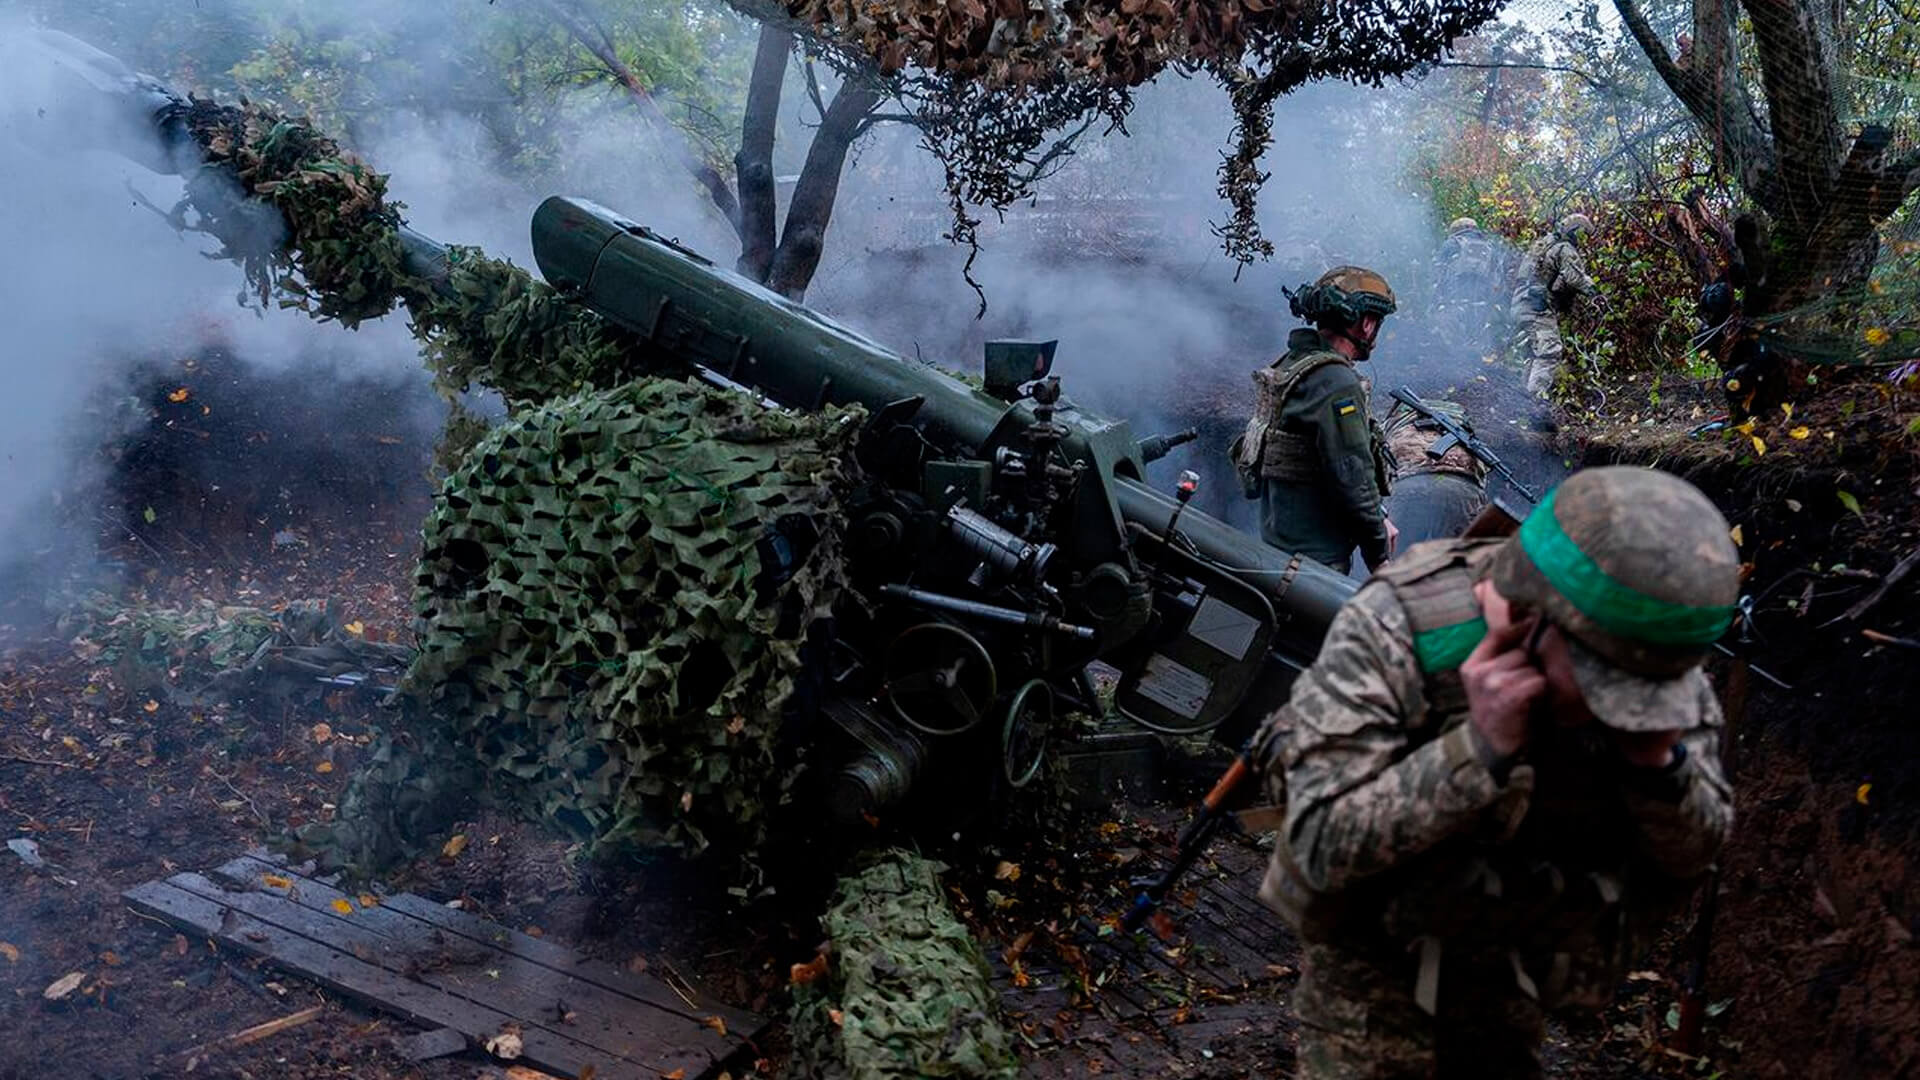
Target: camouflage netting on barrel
[(334, 249), (597, 621), (909, 994)]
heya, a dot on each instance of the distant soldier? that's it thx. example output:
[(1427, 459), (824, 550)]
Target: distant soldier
[(1438, 487), (1552, 276), (1311, 453), (1467, 266), (1499, 773)]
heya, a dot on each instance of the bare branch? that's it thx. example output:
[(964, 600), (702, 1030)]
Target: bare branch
[(753, 165), (1591, 80), (595, 39)]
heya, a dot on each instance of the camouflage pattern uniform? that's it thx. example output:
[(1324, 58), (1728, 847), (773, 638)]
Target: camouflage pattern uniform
[(1551, 278), (1317, 458), (1467, 267), (1448, 898), (1433, 496)]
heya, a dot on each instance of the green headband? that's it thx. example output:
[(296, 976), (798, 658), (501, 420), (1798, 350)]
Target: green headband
[(1616, 608)]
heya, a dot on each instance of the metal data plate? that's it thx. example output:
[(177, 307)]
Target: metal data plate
[(1224, 627), (1174, 686)]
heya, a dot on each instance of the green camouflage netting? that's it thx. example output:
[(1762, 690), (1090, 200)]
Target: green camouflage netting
[(594, 621), (219, 652), (909, 995), (336, 252)]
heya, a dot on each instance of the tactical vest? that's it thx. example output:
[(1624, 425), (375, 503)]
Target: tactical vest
[(1268, 450), (1411, 436), (1554, 901)]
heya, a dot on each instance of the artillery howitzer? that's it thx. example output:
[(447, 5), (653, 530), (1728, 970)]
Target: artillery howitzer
[(1002, 541), (997, 541)]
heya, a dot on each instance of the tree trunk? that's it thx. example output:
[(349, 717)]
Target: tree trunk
[(805, 234), (753, 165)]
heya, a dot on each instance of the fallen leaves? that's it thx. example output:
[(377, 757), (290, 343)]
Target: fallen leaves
[(323, 767), (64, 986), (718, 1024), (677, 1074), (1006, 871), (342, 905), (276, 881), (1860, 793), (356, 628), (802, 974), (151, 706), (322, 731), (506, 1045), (1800, 432), (1848, 500), (368, 900), (455, 844), (179, 395), (11, 951)]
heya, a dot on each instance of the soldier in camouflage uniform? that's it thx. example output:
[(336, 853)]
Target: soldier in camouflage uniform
[(1438, 486), (1551, 278), (1498, 775), (1311, 453)]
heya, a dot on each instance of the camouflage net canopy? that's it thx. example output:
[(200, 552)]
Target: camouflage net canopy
[(597, 624), (335, 251), (909, 994), (1257, 50)]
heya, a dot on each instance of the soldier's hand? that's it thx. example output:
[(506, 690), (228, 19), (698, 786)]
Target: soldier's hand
[(1393, 538), (1502, 679)]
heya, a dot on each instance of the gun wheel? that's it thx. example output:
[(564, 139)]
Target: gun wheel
[(1023, 738), (939, 679)]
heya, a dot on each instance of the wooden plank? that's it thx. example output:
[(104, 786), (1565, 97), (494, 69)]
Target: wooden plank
[(362, 981), (604, 1022), (428, 944), (549, 954)]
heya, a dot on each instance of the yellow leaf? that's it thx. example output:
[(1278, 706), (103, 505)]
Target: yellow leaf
[(323, 768), (368, 900), (1877, 336), (677, 1074), (275, 881), (1787, 407), (342, 905), (10, 951), (1746, 428), (718, 1024), (1860, 793), (151, 705), (178, 396), (1007, 871), (1737, 536), (356, 627), (455, 844), (322, 731), (1759, 446), (1800, 432)]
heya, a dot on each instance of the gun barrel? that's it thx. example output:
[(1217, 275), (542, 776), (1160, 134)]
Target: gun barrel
[(1158, 446)]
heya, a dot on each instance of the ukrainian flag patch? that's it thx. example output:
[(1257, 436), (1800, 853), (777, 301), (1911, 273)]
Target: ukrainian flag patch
[(1345, 407)]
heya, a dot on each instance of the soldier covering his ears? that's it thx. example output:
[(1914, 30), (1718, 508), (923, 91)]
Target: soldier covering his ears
[(1502, 767)]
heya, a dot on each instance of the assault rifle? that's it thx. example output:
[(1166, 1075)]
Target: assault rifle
[(1194, 839), (1457, 435)]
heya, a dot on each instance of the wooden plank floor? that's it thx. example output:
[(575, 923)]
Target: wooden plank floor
[(1162, 1008), (441, 967)]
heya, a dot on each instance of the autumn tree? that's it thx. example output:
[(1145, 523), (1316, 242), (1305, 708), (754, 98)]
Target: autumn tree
[(1766, 81)]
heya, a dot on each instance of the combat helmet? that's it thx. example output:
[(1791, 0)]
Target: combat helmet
[(1342, 296), (1638, 570), (1460, 225), (1574, 226)]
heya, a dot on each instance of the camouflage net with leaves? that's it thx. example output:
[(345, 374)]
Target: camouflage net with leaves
[(909, 994), (336, 252), (596, 629)]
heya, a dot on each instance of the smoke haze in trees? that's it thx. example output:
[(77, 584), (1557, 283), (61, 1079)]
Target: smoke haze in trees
[(1116, 260)]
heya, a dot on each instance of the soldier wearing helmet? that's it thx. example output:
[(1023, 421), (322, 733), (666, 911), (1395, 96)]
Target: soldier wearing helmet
[(1468, 271), (1311, 453), (1552, 277), (1499, 773)]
